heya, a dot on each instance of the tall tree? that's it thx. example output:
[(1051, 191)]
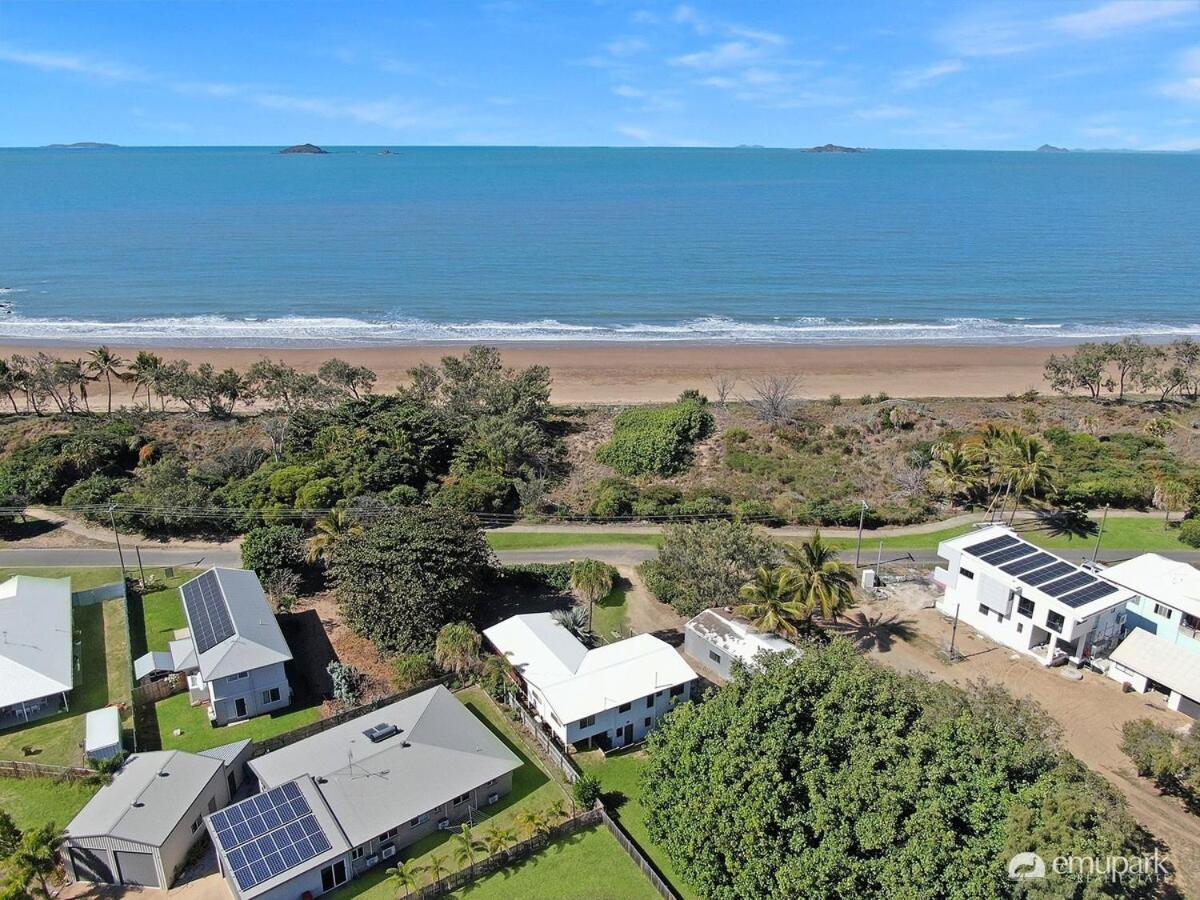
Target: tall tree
[(592, 581), (34, 863), (822, 583), (146, 371), (328, 531), (457, 648), (1029, 467), (466, 846), (9, 382), (405, 875), (104, 363), (769, 602)]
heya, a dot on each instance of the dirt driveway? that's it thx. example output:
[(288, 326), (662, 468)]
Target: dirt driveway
[(903, 632)]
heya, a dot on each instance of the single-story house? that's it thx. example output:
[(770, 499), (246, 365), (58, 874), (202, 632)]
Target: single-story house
[(344, 800), (716, 637), (138, 829), (102, 733), (609, 696), (37, 648), (1151, 663), (235, 655)]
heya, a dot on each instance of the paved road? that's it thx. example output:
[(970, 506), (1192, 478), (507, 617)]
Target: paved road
[(90, 558)]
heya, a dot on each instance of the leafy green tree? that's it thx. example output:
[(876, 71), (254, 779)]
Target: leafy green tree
[(772, 787), (768, 601), (273, 548), (354, 380), (328, 531), (822, 583), (1161, 753), (33, 864), (413, 669), (145, 372), (705, 564), (457, 648), (409, 574), (104, 363), (405, 875), (10, 835), (586, 790)]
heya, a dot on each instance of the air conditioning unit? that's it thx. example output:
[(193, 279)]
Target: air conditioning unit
[(372, 860), (388, 852), (443, 824), (492, 798)]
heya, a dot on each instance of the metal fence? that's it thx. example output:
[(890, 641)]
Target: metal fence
[(13, 768), (113, 591), (629, 845), (550, 748)]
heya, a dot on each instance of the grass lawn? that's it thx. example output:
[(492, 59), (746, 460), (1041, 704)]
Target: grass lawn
[(585, 866), (102, 674), (609, 613), (619, 776), (176, 712), (535, 540), (156, 615), (35, 801), (533, 787)]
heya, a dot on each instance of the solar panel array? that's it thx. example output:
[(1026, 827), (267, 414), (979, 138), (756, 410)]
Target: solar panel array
[(991, 545), (1072, 582), (207, 612), (268, 834), (1041, 576), (1028, 564), (1096, 591), (1008, 554)]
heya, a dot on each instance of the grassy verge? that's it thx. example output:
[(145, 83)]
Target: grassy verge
[(158, 614), (620, 777), (176, 712), (585, 866), (36, 801), (533, 787), (542, 540), (609, 614)]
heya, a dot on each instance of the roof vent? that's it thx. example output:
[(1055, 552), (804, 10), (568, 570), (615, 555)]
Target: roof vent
[(138, 804), (380, 732)]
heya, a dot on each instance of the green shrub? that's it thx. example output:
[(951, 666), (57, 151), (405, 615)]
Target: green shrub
[(320, 493), (656, 440), (758, 512), (413, 669), (1189, 532), (586, 790), (476, 492), (614, 497), (272, 549), (96, 490), (556, 576)]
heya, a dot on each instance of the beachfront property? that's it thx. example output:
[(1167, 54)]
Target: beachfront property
[(716, 637), (1027, 598), (1152, 664), (234, 655), (37, 648), (1166, 598), (138, 828), (349, 798), (607, 697)]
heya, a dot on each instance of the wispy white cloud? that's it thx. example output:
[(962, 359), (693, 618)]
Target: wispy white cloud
[(1118, 16), (651, 138), (647, 100), (1186, 86), (721, 56), (627, 46), (912, 79), (69, 62), (885, 111)]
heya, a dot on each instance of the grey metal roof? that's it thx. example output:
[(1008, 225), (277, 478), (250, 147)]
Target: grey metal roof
[(252, 639), (146, 798), (36, 640), (227, 753), (154, 661), (442, 751)]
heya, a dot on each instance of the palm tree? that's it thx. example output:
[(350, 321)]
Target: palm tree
[(556, 810), (1029, 468), (532, 820), (35, 861), (437, 868), (9, 382), (145, 372), (105, 364), (329, 530), (957, 470), (575, 620), (591, 580), (465, 846), (824, 584), (1169, 494), (770, 602), (494, 839), (457, 648), (405, 875)]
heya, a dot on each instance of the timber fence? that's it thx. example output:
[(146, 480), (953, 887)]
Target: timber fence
[(15, 768)]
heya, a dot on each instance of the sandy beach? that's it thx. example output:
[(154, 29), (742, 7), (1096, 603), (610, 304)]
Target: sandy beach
[(640, 373)]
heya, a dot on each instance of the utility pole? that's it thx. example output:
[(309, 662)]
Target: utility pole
[(1100, 533), (112, 518), (951, 652), (862, 515), (141, 568)]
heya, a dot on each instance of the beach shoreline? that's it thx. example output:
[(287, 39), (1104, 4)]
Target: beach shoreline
[(611, 373)]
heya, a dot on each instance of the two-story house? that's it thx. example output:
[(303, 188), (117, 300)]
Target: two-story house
[(609, 696), (235, 655), (1166, 599)]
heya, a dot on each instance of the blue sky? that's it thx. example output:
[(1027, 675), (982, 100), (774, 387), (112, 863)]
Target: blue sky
[(879, 74)]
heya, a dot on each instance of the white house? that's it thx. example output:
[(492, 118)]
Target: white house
[(1151, 663), (716, 637), (235, 654), (37, 658), (609, 696), (1166, 601), (1027, 598)]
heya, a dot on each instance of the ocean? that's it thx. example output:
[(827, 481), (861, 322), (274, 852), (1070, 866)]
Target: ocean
[(244, 246)]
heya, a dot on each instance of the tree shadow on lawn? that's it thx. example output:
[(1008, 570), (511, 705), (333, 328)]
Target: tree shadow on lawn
[(529, 862), (26, 529), (520, 598), (526, 779), (308, 671), (869, 633)]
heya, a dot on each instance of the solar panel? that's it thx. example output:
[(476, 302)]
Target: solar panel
[(990, 545), (1068, 584), (207, 611), (1086, 595), (1028, 564), (1041, 576), (1008, 554), (268, 834)]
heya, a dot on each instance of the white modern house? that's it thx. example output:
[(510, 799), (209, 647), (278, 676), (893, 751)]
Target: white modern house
[(609, 696), (350, 798), (1027, 598), (716, 637), (234, 657), (37, 648), (1166, 599)]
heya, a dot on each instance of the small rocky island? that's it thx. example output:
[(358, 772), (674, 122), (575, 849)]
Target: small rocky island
[(303, 148), (1050, 148), (834, 148), (81, 145)]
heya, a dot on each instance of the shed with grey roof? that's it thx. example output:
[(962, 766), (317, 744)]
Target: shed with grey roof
[(138, 829)]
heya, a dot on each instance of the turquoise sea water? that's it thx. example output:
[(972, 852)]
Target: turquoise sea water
[(243, 245)]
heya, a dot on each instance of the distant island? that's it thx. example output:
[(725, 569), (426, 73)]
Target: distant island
[(303, 148), (1050, 148), (81, 145), (833, 148)]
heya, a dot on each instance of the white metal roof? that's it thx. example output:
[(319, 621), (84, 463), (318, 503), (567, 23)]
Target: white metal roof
[(577, 682), (256, 640), (146, 798), (1174, 583), (101, 729), (1160, 660), (154, 661), (735, 635), (36, 639)]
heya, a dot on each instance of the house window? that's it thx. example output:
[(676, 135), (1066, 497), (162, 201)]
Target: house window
[(966, 573), (1192, 622), (1054, 621), (1025, 607), (196, 825), (983, 610), (677, 690), (462, 798), (1020, 627), (714, 656), (332, 876), (647, 722), (650, 702), (624, 707), (390, 833), (271, 696), (1164, 611), (419, 820), (356, 853), (587, 721), (238, 677)]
